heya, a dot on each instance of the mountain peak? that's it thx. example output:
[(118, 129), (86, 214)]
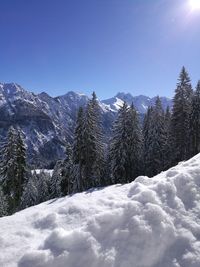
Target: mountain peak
[(122, 95), (11, 87)]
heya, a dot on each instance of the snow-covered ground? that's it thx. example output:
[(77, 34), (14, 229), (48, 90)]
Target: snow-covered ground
[(47, 171), (147, 223)]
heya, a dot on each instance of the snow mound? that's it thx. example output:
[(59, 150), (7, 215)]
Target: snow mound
[(147, 223)]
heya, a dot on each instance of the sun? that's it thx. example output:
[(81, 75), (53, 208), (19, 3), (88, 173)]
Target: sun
[(195, 4)]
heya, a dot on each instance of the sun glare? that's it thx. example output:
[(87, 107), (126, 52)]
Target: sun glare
[(195, 4)]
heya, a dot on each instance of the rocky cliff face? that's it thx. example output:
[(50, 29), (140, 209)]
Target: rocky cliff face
[(47, 122)]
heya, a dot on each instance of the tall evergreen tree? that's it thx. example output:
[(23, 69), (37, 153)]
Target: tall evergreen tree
[(63, 180), (55, 183), (168, 140), (180, 117), (195, 122), (30, 195), (3, 204), (67, 181), (135, 142), (146, 132), (78, 152), (43, 186), (21, 167), (13, 167), (155, 138), (93, 145), (119, 147)]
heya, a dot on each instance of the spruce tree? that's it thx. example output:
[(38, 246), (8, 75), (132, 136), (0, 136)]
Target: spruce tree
[(13, 167), (3, 204), (168, 145), (21, 168), (155, 138), (67, 181), (146, 131), (180, 117), (43, 186), (119, 147), (30, 193), (135, 142), (55, 183), (78, 152), (93, 147), (195, 122)]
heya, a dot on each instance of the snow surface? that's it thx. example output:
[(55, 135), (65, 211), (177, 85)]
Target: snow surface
[(118, 104), (147, 223), (47, 171)]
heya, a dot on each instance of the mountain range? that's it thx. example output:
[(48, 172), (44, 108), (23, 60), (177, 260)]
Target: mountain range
[(48, 122)]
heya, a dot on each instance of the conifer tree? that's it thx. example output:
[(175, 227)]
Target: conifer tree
[(195, 122), (180, 117), (55, 183), (3, 204), (155, 138), (93, 145), (78, 152), (30, 193), (63, 181), (43, 186), (135, 141), (148, 139), (13, 167), (168, 140), (21, 167), (67, 181), (146, 131), (119, 147)]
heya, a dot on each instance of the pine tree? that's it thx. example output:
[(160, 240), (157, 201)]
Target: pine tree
[(180, 117), (168, 140), (42, 185), (155, 138), (67, 181), (13, 166), (93, 147), (55, 183), (63, 181), (3, 204), (119, 147), (135, 141), (78, 152), (30, 192), (146, 132), (108, 180), (195, 122), (21, 167)]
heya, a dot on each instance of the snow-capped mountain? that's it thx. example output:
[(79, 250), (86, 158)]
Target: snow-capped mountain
[(140, 102), (147, 223), (47, 122)]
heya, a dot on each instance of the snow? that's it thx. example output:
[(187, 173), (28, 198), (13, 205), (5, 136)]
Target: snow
[(145, 107), (147, 223), (48, 171), (105, 107), (119, 103)]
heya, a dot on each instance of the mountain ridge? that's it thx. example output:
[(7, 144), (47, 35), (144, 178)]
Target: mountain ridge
[(47, 122)]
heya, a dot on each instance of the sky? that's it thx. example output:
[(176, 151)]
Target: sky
[(106, 46)]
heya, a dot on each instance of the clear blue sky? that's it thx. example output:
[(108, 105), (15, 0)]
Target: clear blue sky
[(136, 46)]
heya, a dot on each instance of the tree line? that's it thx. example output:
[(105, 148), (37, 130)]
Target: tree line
[(165, 138)]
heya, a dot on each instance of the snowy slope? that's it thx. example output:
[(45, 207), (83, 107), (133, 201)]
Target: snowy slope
[(147, 223)]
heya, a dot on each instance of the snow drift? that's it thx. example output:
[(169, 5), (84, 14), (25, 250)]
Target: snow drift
[(147, 223)]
